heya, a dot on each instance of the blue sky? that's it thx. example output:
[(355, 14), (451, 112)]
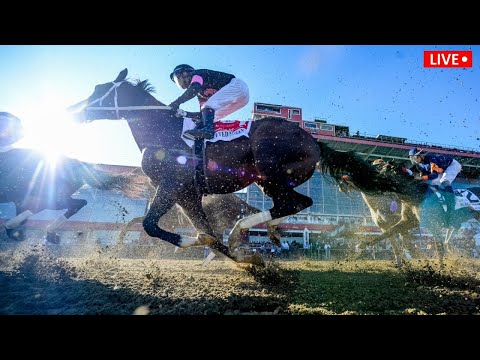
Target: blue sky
[(375, 89)]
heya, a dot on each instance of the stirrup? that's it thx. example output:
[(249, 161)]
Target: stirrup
[(189, 136), (201, 134)]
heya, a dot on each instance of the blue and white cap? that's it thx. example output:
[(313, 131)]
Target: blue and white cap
[(414, 151)]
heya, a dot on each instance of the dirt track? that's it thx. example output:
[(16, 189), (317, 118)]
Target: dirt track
[(34, 281)]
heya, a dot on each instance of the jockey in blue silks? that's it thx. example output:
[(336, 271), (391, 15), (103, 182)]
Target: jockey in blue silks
[(443, 171)]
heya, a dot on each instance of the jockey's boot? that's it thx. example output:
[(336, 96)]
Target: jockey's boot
[(205, 130), (450, 202)]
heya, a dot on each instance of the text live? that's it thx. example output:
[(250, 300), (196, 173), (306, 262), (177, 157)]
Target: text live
[(447, 59)]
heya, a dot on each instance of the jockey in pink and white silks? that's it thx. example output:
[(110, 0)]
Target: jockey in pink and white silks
[(218, 93)]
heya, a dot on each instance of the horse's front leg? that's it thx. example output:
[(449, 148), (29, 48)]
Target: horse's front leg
[(73, 206), (123, 233), (191, 203), (12, 230), (163, 200)]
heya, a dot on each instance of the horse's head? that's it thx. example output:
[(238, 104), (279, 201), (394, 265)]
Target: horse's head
[(346, 185), (114, 100), (386, 167)]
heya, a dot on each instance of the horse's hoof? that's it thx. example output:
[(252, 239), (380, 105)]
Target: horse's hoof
[(199, 240), (255, 259), (17, 234), (240, 255), (53, 238), (178, 250), (238, 237), (205, 239), (274, 235)]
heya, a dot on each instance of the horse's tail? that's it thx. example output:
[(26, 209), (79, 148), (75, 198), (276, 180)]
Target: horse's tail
[(132, 184), (338, 163)]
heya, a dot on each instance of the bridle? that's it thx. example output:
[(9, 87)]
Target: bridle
[(116, 108), (346, 184)]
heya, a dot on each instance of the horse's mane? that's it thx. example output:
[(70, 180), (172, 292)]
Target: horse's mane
[(143, 85), (366, 176)]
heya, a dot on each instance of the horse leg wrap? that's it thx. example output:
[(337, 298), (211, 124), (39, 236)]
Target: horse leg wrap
[(17, 220)]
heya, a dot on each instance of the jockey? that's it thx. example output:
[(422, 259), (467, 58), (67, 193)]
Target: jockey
[(218, 93), (443, 171), (11, 130)]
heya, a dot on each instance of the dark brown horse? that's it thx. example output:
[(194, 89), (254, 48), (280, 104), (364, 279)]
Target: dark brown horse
[(421, 204), (33, 184), (385, 218), (222, 210), (278, 156)]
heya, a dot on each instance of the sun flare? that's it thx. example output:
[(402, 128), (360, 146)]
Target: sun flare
[(49, 128)]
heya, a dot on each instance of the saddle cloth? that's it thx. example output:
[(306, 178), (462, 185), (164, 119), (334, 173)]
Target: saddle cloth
[(463, 198), (225, 130)]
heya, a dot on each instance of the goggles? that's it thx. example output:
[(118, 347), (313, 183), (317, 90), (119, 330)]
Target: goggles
[(181, 81)]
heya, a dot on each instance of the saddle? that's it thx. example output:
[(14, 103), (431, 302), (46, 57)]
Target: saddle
[(225, 130)]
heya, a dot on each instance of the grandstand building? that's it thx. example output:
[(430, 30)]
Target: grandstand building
[(334, 211), (332, 214)]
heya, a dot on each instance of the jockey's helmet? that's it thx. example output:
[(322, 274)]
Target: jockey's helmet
[(181, 75), (412, 153)]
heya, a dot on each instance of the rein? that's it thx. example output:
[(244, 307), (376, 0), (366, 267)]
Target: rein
[(117, 108)]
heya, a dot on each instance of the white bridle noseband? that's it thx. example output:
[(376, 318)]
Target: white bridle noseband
[(117, 108)]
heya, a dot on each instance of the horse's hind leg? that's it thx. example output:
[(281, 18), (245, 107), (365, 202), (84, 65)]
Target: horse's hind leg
[(286, 202), (396, 252), (273, 232), (448, 237)]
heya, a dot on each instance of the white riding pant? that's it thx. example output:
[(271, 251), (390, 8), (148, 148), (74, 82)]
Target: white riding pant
[(449, 174), (228, 99)]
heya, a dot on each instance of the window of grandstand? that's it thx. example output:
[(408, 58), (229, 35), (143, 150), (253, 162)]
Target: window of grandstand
[(326, 127), (392, 139), (258, 117), (270, 108), (341, 131), (312, 126), (292, 112)]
